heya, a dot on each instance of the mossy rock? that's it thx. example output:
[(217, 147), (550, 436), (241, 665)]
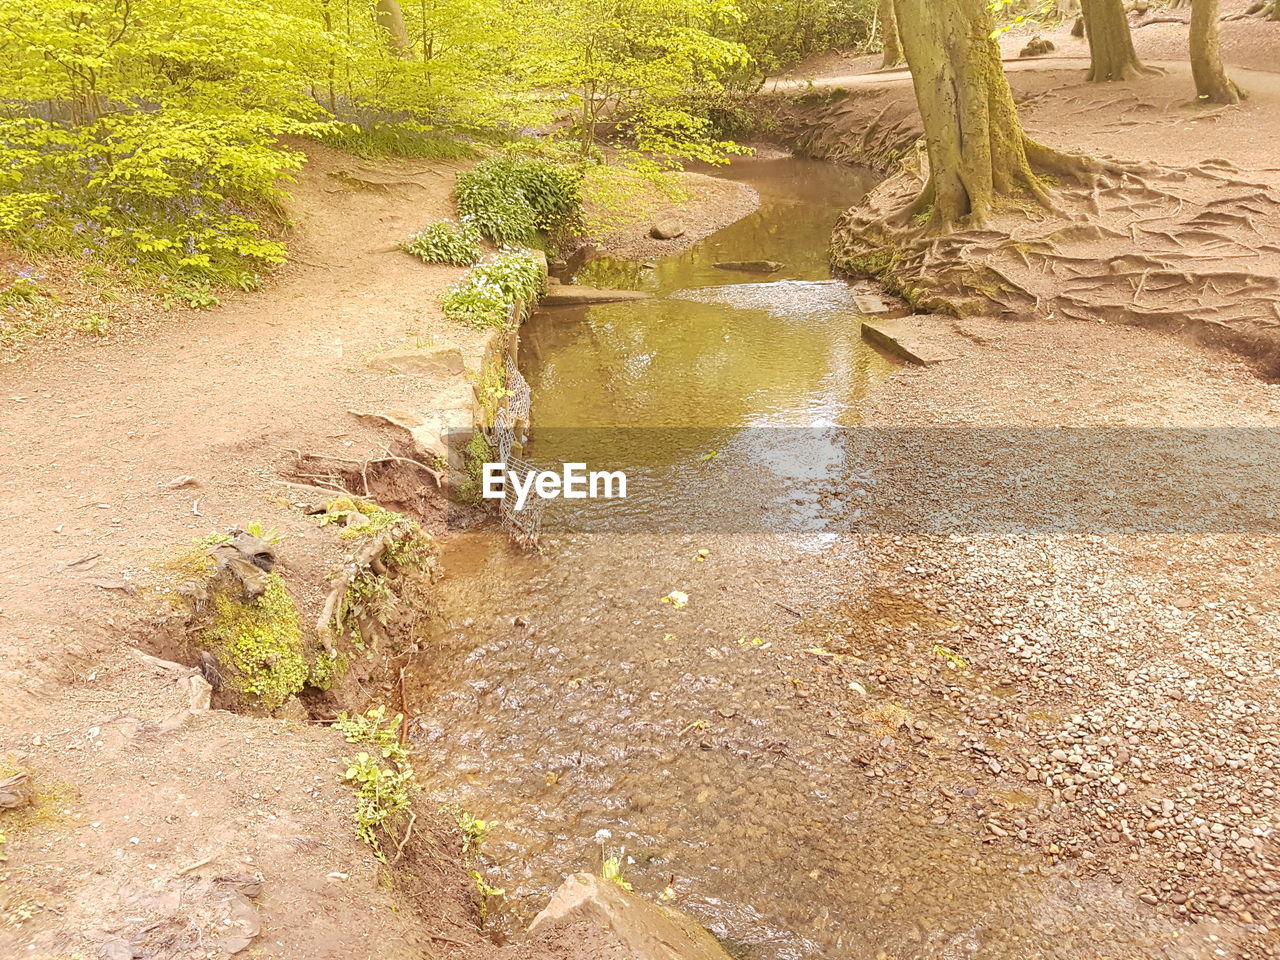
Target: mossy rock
[(259, 644)]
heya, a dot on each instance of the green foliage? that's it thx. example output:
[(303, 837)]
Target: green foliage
[(445, 241), (479, 451), (327, 669), (484, 297), (369, 601), (174, 195), (485, 890), (639, 69), (510, 197), (611, 870), (474, 833), (382, 777), (266, 534), (150, 135), (22, 288), (776, 39), (94, 323), (421, 141), (262, 641)]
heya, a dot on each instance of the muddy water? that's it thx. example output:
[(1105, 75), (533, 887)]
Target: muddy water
[(721, 749)]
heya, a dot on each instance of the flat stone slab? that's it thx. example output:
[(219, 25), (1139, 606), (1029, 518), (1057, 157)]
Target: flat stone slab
[(424, 361), (750, 266), (646, 930), (922, 340), (572, 295)]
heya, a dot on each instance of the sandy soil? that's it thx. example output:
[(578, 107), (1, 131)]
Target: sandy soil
[(712, 203)]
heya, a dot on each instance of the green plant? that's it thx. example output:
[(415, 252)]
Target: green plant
[(195, 294), (479, 451), (368, 600), (176, 195), (262, 640), (474, 833), (611, 870), (267, 535), (327, 669), (406, 139), (486, 890), (485, 296), (511, 197), (446, 241), (23, 288), (94, 323), (383, 779)]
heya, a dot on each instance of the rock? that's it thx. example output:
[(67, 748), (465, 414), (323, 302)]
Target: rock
[(570, 295), (668, 228), (646, 931), (1037, 47), (911, 338), (427, 361), (580, 257), (870, 305), (750, 266), (14, 791), (199, 694)]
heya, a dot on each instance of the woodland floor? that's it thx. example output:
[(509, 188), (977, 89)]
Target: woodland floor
[(134, 791)]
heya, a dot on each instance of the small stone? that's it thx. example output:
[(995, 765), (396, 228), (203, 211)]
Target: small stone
[(668, 228)]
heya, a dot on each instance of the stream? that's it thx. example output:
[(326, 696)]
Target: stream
[(711, 745)]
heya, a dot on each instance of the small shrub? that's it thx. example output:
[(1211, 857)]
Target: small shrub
[(23, 288), (510, 197), (383, 779), (446, 242), (485, 295), (94, 323), (195, 294), (474, 833)]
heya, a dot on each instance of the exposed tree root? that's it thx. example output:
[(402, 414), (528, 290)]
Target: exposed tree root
[(1193, 250)]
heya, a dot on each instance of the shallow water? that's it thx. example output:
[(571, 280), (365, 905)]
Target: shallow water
[(715, 750)]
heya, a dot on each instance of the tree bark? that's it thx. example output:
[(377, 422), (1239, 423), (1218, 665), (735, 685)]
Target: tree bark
[(1212, 82), (978, 152), (1111, 52), (889, 31), (390, 17)]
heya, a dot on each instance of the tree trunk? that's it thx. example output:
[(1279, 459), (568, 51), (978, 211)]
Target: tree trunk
[(978, 152), (391, 18), (1111, 52), (889, 31), (1212, 82)]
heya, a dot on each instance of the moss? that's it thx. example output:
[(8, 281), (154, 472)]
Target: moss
[(326, 670), (479, 451), (413, 548), (262, 641), (493, 390), (872, 263)]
